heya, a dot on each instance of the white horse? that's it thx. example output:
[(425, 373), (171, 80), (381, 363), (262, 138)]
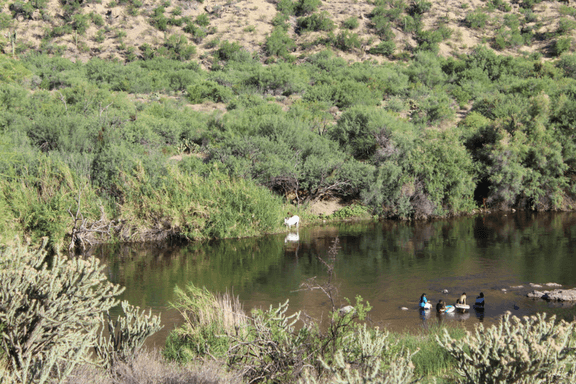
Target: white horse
[(294, 220)]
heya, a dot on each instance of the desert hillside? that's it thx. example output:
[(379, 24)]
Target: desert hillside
[(357, 30)]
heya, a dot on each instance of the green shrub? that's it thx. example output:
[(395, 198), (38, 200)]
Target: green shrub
[(305, 7), (426, 69), (316, 22), (198, 33), (202, 20), (21, 8), (280, 21), (278, 43), (565, 25), (278, 79), (207, 317), (384, 48), (568, 64), (529, 4), (562, 45), (200, 207), (353, 210), (515, 350), (176, 21), (11, 70), (228, 50), (179, 48), (97, 19), (420, 7), (351, 23), (100, 36), (158, 19), (506, 38), (5, 21), (383, 27), (566, 10), (208, 90), (80, 23), (476, 19), (347, 41)]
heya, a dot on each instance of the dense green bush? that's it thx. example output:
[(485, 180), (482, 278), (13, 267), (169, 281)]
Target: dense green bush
[(562, 45), (476, 19), (316, 22), (305, 7), (208, 90), (199, 207), (384, 48), (351, 23), (228, 50), (278, 43), (347, 41)]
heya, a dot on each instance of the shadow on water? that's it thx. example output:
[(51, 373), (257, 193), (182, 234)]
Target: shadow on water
[(390, 264)]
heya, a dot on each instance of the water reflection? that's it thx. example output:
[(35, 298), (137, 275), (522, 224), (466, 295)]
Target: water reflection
[(292, 237), (389, 264)]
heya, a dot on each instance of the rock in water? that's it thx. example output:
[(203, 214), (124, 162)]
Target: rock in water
[(555, 295), (346, 310)]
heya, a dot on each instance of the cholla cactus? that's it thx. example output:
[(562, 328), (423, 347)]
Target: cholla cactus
[(126, 335), (51, 311), (367, 357), (531, 350)]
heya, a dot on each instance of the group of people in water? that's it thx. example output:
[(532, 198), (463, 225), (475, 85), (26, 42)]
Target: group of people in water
[(461, 302)]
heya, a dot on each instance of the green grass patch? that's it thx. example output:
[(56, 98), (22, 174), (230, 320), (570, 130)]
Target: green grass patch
[(432, 360)]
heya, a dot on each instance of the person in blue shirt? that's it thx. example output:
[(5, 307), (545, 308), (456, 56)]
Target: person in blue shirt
[(423, 301)]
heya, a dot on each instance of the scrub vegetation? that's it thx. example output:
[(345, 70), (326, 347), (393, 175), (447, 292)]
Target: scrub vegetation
[(137, 121), (155, 149)]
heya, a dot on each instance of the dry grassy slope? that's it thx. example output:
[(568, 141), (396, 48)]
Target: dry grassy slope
[(249, 21)]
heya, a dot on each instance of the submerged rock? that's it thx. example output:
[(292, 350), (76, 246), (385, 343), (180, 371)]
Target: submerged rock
[(555, 295), (346, 310)]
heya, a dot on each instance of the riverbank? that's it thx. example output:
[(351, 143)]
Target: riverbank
[(158, 148)]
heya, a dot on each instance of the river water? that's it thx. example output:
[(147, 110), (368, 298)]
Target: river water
[(390, 264)]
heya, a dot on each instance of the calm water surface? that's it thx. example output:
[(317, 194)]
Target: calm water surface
[(390, 264)]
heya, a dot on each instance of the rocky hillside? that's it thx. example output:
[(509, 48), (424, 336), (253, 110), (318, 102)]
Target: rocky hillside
[(357, 30)]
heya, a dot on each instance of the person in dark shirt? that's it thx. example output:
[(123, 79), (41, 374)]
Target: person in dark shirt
[(479, 301), (441, 306)]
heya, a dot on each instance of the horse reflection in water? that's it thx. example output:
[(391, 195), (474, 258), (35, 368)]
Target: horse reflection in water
[(292, 238), (292, 243)]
